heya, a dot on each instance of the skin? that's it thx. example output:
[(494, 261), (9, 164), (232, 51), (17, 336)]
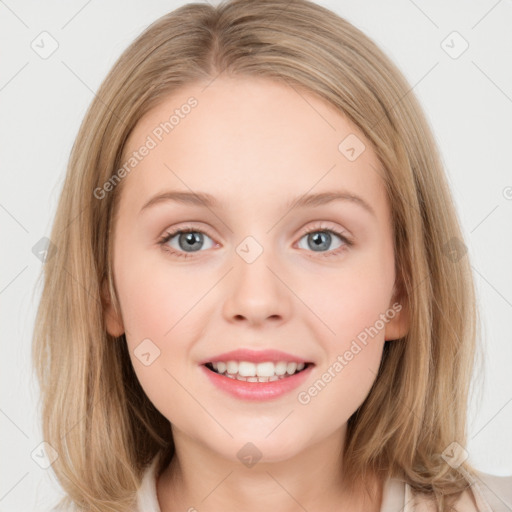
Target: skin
[(255, 145)]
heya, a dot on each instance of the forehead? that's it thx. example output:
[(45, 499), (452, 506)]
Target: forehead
[(249, 138)]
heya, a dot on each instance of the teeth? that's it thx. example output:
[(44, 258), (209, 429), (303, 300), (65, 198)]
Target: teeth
[(246, 369), (232, 367), (290, 369), (280, 368), (257, 372)]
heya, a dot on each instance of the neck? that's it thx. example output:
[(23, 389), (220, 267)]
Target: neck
[(198, 478)]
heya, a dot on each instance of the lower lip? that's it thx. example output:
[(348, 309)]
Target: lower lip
[(258, 390)]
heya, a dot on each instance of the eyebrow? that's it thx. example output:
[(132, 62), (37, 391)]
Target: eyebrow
[(307, 200)]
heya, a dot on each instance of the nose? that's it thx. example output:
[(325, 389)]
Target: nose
[(255, 293)]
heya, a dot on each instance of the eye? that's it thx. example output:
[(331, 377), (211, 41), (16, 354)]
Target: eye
[(188, 240), (185, 241), (320, 237)]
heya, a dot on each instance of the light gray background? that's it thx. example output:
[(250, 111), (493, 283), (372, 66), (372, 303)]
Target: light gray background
[(468, 101)]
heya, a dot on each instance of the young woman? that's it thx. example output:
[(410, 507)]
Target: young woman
[(258, 298)]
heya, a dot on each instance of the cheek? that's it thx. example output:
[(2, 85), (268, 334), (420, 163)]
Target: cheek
[(351, 304), (340, 388), (352, 299), (161, 304), (155, 301), (154, 297)]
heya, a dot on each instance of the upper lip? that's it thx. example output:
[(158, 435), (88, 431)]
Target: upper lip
[(255, 356)]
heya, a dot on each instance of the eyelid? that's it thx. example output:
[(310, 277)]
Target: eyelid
[(324, 226), (171, 233), (341, 233)]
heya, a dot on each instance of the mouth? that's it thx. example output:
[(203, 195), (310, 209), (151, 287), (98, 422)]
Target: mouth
[(247, 371)]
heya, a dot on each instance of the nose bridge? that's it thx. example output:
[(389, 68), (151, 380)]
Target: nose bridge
[(255, 257), (255, 291), (257, 248)]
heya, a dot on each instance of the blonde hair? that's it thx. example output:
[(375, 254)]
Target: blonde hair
[(94, 412)]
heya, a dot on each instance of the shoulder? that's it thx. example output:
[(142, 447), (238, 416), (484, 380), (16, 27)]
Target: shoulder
[(147, 500), (485, 493), (493, 490)]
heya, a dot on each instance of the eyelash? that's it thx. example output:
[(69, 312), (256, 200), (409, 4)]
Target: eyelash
[(190, 229)]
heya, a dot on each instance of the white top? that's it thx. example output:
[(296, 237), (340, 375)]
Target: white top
[(491, 494)]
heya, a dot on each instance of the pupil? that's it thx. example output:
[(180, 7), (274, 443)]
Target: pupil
[(190, 238), (317, 240)]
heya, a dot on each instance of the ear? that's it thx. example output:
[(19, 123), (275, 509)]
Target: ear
[(113, 320), (399, 319)]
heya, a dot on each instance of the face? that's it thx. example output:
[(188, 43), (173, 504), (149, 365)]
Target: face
[(315, 281)]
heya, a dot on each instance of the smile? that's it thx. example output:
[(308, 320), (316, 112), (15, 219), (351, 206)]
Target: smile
[(265, 380), (247, 371)]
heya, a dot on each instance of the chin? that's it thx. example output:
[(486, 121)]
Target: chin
[(258, 448)]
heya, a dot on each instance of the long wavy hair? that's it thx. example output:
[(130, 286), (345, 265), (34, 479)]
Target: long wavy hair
[(94, 412)]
